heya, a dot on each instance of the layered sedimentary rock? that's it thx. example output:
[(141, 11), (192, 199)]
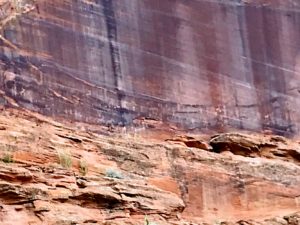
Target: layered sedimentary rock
[(57, 174), (197, 63), (200, 64)]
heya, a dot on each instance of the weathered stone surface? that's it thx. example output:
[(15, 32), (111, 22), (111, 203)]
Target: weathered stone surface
[(129, 177), (200, 64), (191, 141), (272, 147)]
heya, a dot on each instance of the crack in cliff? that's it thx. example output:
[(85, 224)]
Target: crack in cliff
[(111, 26)]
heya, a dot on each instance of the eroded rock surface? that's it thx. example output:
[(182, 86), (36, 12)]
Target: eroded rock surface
[(55, 173), (272, 147), (208, 65)]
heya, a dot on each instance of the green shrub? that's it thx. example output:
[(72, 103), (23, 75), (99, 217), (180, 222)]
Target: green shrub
[(8, 158), (112, 173), (83, 167), (65, 159), (17, 4), (148, 222), (8, 155)]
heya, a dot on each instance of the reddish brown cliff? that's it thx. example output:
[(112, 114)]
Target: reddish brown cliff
[(200, 64), (63, 174), (197, 63)]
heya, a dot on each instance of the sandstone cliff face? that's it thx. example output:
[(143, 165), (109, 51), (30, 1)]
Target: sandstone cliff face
[(58, 174), (209, 65), (200, 64)]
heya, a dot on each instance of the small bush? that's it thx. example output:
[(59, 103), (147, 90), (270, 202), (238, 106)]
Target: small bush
[(8, 158), (8, 155), (83, 167), (112, 173), (17, 5), (148, 222), (217, 222), (65, 159)]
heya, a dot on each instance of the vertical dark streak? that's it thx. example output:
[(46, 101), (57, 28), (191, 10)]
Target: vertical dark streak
[(111, 26), (276, 79), (264, 48), (240, 19), (253, 22)]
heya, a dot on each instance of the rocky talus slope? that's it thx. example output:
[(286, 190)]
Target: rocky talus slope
[(68, 173)]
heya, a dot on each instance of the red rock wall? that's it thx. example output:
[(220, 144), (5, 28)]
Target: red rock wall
[(198, 63)]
